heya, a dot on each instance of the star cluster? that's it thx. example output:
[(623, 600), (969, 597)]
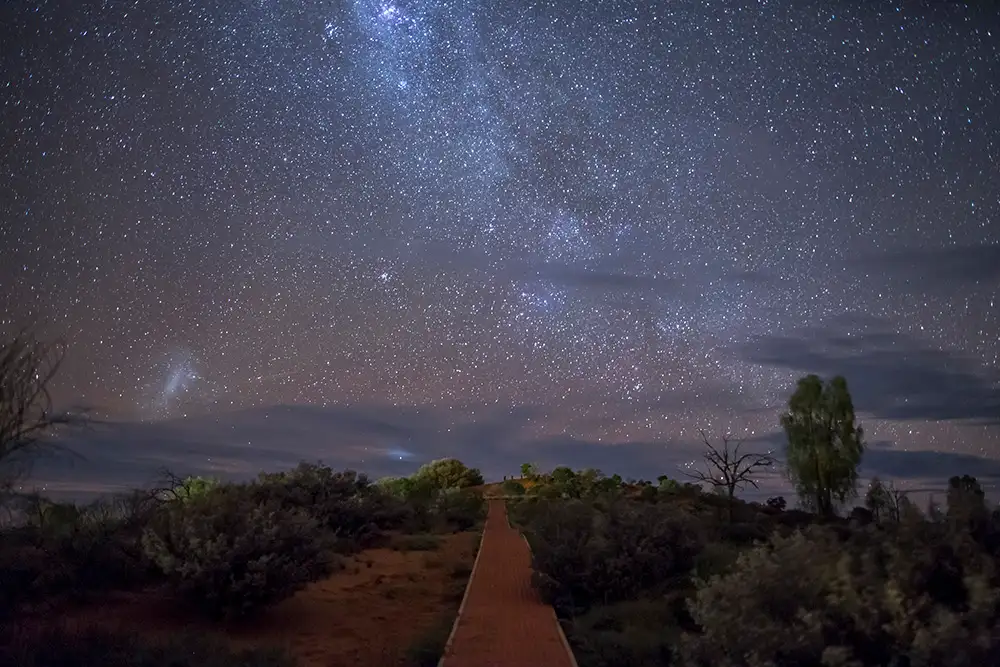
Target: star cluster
[(607, 209)]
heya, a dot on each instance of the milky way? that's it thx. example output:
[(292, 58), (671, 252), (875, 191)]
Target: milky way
[(642, 217)]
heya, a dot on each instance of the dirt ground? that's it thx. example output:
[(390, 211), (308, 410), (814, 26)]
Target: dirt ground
[(369, 613)]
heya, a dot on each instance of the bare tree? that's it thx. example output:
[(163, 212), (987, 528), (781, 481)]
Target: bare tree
[(729, 470), (27, 367), (885, 501)]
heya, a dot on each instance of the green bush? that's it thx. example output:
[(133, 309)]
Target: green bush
[(814, 599), (512, 488), (460, 508), (344, 503), (583, 557), (640, 633), (448, 474), (232, 553)]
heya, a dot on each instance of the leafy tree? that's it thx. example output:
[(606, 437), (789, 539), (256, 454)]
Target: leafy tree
[(727, 470), (825, 444), (529, 471), (448, 474), (565, 480)]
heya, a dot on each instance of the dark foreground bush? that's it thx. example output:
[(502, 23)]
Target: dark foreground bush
[(231, 554), (63, 549), (584, 557), (66, 647), (815, 600)]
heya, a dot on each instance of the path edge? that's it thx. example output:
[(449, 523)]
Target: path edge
[(555, 619), (465, 595)]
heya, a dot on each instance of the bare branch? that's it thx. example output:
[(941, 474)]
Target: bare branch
[(27, 418), (727, 468)]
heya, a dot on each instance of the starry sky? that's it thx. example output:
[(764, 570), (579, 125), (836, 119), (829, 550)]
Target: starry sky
[(398, 229)]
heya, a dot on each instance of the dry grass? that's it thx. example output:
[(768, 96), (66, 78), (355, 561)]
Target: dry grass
[(375, 611)]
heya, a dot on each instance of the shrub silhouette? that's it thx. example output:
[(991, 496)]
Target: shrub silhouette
[(231, 552), (777, 503)]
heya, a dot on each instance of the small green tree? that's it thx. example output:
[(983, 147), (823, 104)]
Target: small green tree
[(825, 444), (529, 471)]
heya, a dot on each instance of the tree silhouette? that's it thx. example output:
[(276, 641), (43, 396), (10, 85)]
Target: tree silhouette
[(885, 501), (27, 367), (824, 443), (729, 470)]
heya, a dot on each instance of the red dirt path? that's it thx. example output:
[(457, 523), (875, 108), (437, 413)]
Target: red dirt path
[(504, 623)]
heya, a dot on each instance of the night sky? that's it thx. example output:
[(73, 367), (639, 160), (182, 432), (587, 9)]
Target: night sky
[(573, 232)]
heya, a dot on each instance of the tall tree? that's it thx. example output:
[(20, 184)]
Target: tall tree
[(825, 444)]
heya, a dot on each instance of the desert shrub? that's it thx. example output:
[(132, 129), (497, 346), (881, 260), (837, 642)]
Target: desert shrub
[(188, 487), (583, 557), (64, 549), (232, 553), (344, 503), (639, 633), (448, 474), (460, 509), (648, 493), (816, 599), (61, 646), (415, 542), (512, 488)]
